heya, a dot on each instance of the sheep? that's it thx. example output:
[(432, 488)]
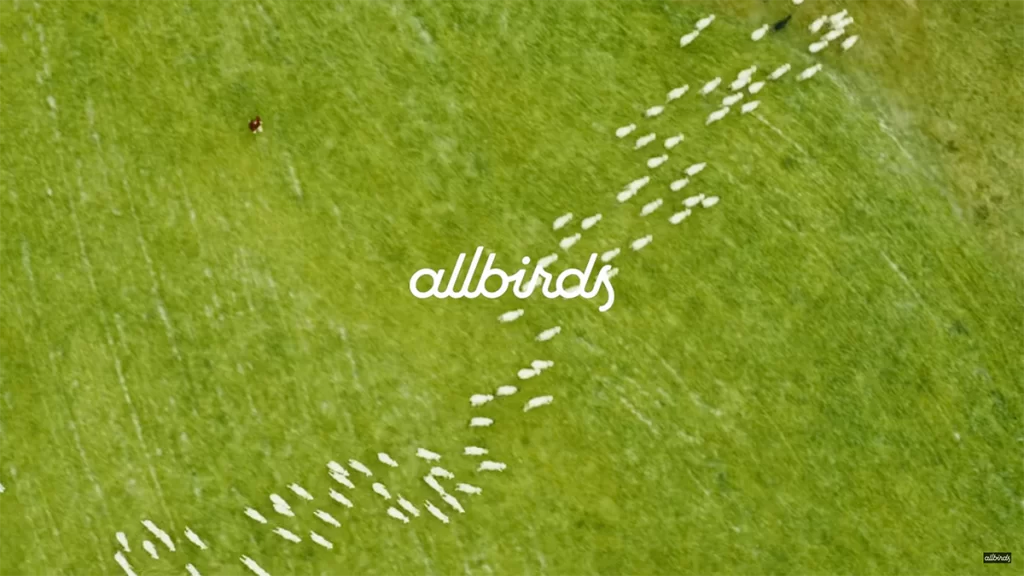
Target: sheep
[(436, 513), (844, 22), (387, 460), (548, 334), (756, 87), (673, 141), (678, 185), (709, 201), (569, 241), (750, 107), (405, 504), (427, 455), (489, 466), (123, 540), (716, 116), (468, 489), (480, 422), (677, 93), (747, 72), (150, 549), (253, 566), (359, 467), (695, 169), (300, 492), (849, 42), (693, 200), (816, 26), (255, 515), (335, 467), (657, 161), (704, 22), (650, 207), (834, 34), (327, 518), (710, 86), (759, 33), (280, 506), (640, 243), (613, 273), (453, 502), (506, 391), (625, 131), (589, 222), (798, 2), (809, 73), (287, 535), (779, 72), (382, 490), (679, 216), (160, 534), (645, 140), (192, 571), (538, 402), (653, 111), (394, 513), (685, 39), (732, 99), (625, 195), (340, 498), (433, 483), (540, 365), (474, 451), (441, 473), (637, 184), (343, 480), (547, 261), (480, 399), (609, 255), (838, 16), (321, 540), (511, 315), (127, 567), (817, 46), (561, 221)]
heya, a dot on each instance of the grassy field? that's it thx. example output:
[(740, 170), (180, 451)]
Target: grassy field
[(823, 374)]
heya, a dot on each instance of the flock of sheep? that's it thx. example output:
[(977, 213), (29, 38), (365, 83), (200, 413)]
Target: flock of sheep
[(398, 507)]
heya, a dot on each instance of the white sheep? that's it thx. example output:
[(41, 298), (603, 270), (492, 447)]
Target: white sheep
[(480, 422), (191, 569), (340, 498), (750, 107), (123, 540), (527, 373), (255, 515), (280, 506), (640, 243), (650, 207), (511, 315), (480, 399), (569, 241), (693, 200), (538, 402), (657, 161), (798, 2), (756, 87), (321, 540), (645, 140), (816, 26), (561, 221), (387, 460), (710, 86), (441, 473), (677, 93), (748, 72), (817, 46), (654, 111), (287, 535), (716, 116), (436, 513), (335, 467), (160, 534), (127, 567), (489, 466), (849, 42), (809, 73), (359, 467), (732, 99), (613, 273), (833, 35), (844, 22), (838, 16), (253, 566), (709, 201), (427, 455), (151, 550), (625, 195), (607, 256), (300, 492), (541, 365), (625, 131), (343, 480), (327, 518), (695, 169), (673, 141), (433, 483), (474, 451), (589, 222), (382, 490), (547, 261), (678, 185), (739, 83), (394, 513), (468, 489), (780, 72), (686, 39), (704, 22), (548, 334), (453, 502), (408, 506), (759, 33), (679, 216), (506, 391), (637, 184)]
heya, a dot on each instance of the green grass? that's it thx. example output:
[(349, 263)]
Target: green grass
[(777, 389)]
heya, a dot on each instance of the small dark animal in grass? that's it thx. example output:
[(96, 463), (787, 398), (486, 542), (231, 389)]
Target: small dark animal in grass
[(256, 125), (782, 23)]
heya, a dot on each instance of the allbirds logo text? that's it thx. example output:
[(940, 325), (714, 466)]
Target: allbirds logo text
[(520, 288)]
